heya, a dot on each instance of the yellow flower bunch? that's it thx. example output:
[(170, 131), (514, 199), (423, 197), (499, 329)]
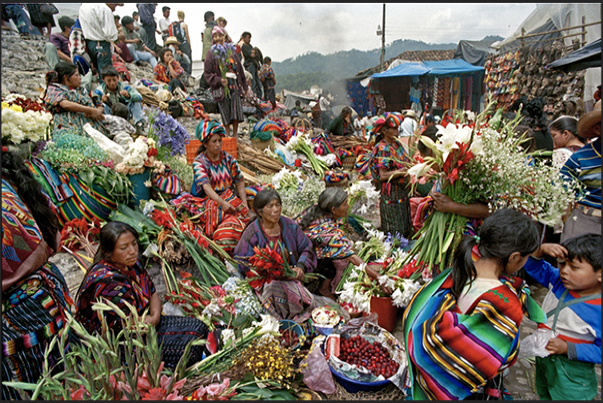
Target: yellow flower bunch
[(16, 108), (267, 359)]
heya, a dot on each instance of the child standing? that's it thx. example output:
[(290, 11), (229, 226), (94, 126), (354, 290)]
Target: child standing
[(574, 303), (461, 330), (268, 80), (112, 91)]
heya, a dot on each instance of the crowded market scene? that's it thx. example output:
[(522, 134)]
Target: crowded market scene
[(179, 225)]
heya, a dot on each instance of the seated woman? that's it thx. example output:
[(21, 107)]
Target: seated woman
[(461, 330), (168, 71), (285, 298), (70, 104), (35, 296), (219, 188), (117, 275), (388, 171), (333, 248), (342, 124)]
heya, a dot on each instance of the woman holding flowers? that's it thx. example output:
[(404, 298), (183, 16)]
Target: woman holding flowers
[(226, 78), (334, 249), (388, 170), (284, 297), (35, 296), (461, 330), (70, 103), (219, 188), (117, 276)]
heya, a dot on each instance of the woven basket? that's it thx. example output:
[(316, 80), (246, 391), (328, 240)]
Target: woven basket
[(348, 162), (341, 184), (262, 145)]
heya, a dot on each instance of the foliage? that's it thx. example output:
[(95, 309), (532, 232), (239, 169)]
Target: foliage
[(183, 170)]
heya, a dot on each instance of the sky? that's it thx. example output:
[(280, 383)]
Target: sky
[(287, 30)]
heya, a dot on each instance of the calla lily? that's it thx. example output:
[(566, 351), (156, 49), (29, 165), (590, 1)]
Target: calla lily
[(268, 325), (419, 170)]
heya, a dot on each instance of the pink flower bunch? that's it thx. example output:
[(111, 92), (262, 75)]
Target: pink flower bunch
[(215, 391)]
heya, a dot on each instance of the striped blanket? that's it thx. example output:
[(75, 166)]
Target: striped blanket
[(452, 355)]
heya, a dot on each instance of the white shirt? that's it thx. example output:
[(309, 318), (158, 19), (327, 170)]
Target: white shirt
[(478, 287), (164, 24), (137, 24), (98, 23), (407, 127)]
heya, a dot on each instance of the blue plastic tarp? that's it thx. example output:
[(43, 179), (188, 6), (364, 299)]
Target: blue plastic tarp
[(581, 59), (451, 67), (404, 70)]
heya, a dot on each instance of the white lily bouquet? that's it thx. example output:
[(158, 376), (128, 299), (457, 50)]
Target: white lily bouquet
[(302, 143)]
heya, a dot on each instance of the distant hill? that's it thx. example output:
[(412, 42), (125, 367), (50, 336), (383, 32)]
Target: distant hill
[(301, 72)]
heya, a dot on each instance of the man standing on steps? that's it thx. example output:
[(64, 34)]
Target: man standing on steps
[(206, 35), (57, 47), (98, 28), (146, 11), (164, 23)]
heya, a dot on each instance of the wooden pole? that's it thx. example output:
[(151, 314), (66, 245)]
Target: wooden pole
[(383, 39), (583, 31)]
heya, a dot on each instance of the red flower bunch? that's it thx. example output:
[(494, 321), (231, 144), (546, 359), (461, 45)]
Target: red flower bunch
[(188, 228), (28, 105), (456, 160), (162, 218), (152, 152), (80, 234), (408, 269), (266, 265)]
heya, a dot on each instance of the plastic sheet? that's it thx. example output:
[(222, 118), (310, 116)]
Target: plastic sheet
[(317, 375)]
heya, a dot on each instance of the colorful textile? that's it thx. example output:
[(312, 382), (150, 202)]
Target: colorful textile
[(221, 174), (266, 75), (283, 299), (390, 157), (64, 119), (585, 166), (33, 312), (101, 90), (391, 119), (162, 72), (120, 66), (578, 324), (105, 280), (208, 128), (328, 239), (451, 355), (213, 75), (231, 108)]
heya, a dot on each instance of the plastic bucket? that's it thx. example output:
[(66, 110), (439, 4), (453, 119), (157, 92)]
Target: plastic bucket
[(141, 192), (386, 310), (286, 324)]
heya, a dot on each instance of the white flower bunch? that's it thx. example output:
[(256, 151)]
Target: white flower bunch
[(363, 193), (287, 179), (18, 127), (294, 142), (329, 159), (354, 293), (404, 291), (137, 158), (449, 136)]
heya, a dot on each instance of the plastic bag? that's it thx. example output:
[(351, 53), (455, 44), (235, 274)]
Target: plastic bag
[(317, 375), (171, 310), (113, 150), (534, 345)]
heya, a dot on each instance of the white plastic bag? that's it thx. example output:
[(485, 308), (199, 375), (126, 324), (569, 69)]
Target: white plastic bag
[(172, 310), (113, 150), (534, 345)]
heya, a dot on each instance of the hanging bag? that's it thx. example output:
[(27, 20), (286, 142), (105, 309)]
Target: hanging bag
[(48, 9)]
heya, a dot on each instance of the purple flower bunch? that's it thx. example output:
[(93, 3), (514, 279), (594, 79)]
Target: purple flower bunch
[(223, 52), (168, 133)]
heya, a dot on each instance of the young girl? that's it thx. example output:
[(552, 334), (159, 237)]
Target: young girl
[(462, 329)]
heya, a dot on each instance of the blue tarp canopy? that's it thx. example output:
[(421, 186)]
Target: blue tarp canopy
[(404, 70), (581, 59), (440, 68), (451, 67)]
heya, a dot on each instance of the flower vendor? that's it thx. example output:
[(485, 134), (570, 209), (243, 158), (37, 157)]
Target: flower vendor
[(226, 78), (70, 103), (218, 188), (388, 171), (168, 71), (585, 166), (117, 275), (333, 248), (564, 131), (35, 296), (461, 330), (283, 298), (342, 124), (113, 91)]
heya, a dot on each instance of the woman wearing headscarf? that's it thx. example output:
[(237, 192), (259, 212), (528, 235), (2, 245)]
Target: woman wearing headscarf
[(35, 296), (388, 171), (334, 250), (226, 78), (218, 189)]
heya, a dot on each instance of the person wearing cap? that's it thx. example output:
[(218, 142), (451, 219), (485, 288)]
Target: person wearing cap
[(164, 23), (139, 51), (585, 166), (98, 27), (206, 36), (181, 57), (229, 101), (409, 124), (218, 188), (388, 171), (149, 25)]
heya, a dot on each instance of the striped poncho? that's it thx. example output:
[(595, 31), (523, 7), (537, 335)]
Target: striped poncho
[(451, 355)]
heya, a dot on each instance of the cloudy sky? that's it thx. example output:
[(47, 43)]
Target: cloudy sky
[(283, 31)]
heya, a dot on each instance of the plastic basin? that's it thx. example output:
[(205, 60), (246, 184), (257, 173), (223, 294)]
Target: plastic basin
[(286, 324)]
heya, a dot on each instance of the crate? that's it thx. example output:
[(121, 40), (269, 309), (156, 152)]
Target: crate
[(229, 144), (191, 150)]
